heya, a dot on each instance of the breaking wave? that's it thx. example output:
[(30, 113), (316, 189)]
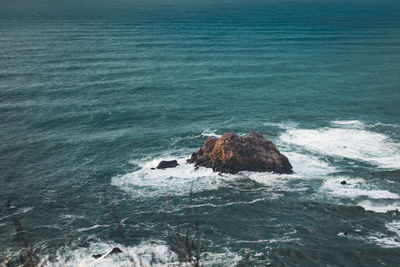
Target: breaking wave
[(355, 188), (380, 207), (350, 141)]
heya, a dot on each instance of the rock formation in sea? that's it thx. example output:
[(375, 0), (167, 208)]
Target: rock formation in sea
[(231, 154), (167, 164), (115, 250)]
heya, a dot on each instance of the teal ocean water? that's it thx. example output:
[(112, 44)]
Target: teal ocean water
[(93, 94)]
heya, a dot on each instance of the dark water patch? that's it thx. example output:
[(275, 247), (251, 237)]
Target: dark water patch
[(393, 175)]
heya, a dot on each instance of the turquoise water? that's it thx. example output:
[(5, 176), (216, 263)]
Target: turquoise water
[(94, 94)]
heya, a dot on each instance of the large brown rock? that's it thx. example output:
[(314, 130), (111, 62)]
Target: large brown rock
[(231, 154)]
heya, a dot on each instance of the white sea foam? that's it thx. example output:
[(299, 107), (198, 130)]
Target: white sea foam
[(387, 125), (388, 241), (92, 227), (307, 166), (140, 255), (355, 188), (233, 203), (148, 182), (25, 210), (210, 133), (304, 166), (227, 258), (282, 125), (384, 241), (149, 253), (17, 212), (394, 227), (183, 179), (360, 125), (379, 207), (273, 180), (349, 124), (179, 139), (71, 217), (180, 180), (284, 239), (351, 143)]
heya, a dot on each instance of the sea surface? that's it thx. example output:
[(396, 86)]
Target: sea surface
[(93, 94)]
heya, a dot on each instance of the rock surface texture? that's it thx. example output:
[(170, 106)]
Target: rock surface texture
[(231, 154), (167, 164)]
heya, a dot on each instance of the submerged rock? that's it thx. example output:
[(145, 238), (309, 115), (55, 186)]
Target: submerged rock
[(231, 154), (96, 256), (115, 250), (167, 164)]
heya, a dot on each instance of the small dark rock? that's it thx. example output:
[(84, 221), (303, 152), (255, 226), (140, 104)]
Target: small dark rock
[(153, 168), (345, 233), (115, 250), (196, 168), (167, 164), (343, 182), (96, 256)]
